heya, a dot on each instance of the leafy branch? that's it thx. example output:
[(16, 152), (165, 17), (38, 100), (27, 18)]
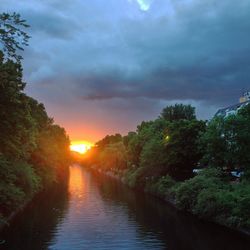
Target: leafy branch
[(12, 36)]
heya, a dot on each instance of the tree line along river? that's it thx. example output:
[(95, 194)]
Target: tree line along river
[(97, 212)]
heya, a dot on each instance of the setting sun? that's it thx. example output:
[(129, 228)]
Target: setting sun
[(80, 147)]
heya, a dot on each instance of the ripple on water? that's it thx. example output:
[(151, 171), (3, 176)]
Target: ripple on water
[(94, 221), (99, 213)]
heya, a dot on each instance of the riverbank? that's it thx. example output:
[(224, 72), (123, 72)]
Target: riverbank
[(166, 196), (7, 218), (5, 221)]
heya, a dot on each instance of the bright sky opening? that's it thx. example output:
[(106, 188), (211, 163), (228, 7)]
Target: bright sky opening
[(80, 147)]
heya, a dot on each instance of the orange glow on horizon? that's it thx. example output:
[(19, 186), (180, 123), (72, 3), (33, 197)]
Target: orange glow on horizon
[(80, 147)]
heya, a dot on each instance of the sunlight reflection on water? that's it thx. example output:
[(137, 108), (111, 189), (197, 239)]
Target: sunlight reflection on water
[(95, 222), (97, 212)]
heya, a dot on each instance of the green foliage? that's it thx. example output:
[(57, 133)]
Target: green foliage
[(209, 196), (153, 156), (162, 147), (51, 162), (109, 139), (34, 152), (114, 156), (161, 187), (12, 36), (126, 139), (182, 147), (26, 178), (18, 182), (227, 141), (132, 177), (188, 191), (178, 112), (17, 128), (158, 147), (211, 203), (134, 148)]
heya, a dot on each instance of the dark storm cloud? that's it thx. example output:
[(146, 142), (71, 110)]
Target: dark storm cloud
[(53, 25), (213, 83), (122, 56), (200, 53)]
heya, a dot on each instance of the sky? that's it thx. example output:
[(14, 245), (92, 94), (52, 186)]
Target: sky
[(103, 66)]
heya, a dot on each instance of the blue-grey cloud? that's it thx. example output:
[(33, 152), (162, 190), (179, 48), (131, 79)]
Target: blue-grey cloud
[(118, 58)]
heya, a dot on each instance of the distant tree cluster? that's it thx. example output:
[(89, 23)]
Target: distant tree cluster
[(168, 145)]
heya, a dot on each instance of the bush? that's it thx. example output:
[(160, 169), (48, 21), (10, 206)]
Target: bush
[(27, 179), (161, 187), (132, 177), (11, 197), (241, 210), (214, 203), (209, 197), (187, 192), (18, 181)]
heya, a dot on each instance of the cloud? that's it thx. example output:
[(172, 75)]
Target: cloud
[(118, 63), (143, 4)]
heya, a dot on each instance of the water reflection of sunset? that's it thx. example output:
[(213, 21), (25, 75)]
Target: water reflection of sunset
[(76, 183)]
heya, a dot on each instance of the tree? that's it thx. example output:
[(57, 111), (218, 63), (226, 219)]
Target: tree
[(146, 132), (114, 156), (214, 143), (51, 156), (178, 112), (17, 127), (12, 36), (227, 141), (153, 158), (109, 139), (163, 147), (127, 138), (182, 147)]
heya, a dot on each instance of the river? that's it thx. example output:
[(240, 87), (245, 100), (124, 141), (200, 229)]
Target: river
[(97, 212)]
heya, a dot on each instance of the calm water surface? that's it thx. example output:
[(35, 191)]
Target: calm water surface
[(95, 212)]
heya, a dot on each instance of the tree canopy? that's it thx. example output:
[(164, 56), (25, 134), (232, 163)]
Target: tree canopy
[(34, 152), (178, 112), (227, 141), (167, 145)]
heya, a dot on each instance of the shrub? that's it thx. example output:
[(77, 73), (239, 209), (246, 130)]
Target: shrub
[(132, 177), (18, 181), (209, 197), (186, 193), (241, 210), (26, 178), (214, 203), (161, 187)]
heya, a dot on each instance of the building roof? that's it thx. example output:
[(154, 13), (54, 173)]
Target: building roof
[(231, 109)]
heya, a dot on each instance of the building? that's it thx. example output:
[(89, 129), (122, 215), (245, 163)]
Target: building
[(231, 110), (245, 97)]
